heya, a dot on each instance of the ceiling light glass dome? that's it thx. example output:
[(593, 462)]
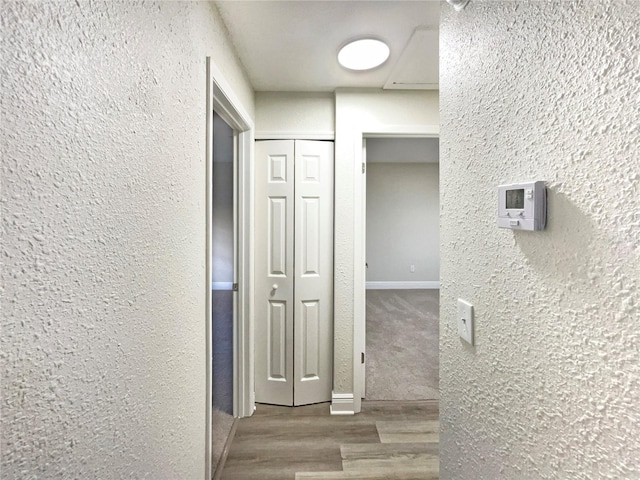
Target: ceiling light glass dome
[(363, 54)]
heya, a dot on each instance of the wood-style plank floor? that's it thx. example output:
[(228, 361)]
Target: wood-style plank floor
[(386, 441)]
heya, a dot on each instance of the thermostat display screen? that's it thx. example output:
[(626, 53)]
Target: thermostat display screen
[(515, 198)]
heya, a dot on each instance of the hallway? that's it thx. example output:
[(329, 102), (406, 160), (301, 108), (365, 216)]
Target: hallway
[(105, 363), (386, 441)]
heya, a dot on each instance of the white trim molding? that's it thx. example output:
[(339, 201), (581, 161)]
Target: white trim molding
[(220, 97), (229, 107), (342, 404), (426, 285), (295, 135)]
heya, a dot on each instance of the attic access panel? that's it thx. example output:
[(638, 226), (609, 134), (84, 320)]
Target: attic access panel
[(417, 67)]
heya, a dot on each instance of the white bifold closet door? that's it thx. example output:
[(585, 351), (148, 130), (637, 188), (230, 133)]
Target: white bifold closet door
[(294, 271)]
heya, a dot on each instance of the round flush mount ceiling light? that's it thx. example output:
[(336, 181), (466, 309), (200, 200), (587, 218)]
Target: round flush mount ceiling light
[(363, 54)]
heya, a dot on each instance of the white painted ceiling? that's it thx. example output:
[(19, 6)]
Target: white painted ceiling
[(292, 45), (403, 150)]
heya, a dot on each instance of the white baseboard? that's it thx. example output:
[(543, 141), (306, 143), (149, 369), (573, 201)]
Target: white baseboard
[(342, 404), (221, 285), (403, 285)]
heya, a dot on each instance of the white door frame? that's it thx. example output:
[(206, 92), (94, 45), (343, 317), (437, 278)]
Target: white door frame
[(221, 98), (360, 239)]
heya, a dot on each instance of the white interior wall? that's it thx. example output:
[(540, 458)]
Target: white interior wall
[(103, 239), (403, 219), (355, 110), (289, 115), (541, 91), (403, 150)]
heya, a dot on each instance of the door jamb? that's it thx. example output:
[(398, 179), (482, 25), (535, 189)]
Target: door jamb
[(359, 255), (221, 98)]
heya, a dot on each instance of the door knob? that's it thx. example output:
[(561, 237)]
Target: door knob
[(274, 286)]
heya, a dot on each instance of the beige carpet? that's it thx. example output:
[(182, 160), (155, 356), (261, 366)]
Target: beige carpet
[(402, 345)]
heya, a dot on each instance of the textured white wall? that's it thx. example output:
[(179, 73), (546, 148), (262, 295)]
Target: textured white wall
[(103, 236), (286, 112), (403, 220), (355, 109), (541, 91)]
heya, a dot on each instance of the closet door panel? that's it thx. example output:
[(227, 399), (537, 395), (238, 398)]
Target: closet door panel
[(313, 298), (294, 272), (274, 270), (309, 236)]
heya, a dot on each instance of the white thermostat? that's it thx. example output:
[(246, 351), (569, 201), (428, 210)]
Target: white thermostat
[(522, 206)]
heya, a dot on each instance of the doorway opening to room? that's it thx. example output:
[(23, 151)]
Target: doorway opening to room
[(228, 218), (223, 279), (401, 211)]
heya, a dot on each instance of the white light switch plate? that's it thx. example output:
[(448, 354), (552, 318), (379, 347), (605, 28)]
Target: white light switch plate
[(465, 321)]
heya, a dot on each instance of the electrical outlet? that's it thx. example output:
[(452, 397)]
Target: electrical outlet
[(465, 321), (412, 269)]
